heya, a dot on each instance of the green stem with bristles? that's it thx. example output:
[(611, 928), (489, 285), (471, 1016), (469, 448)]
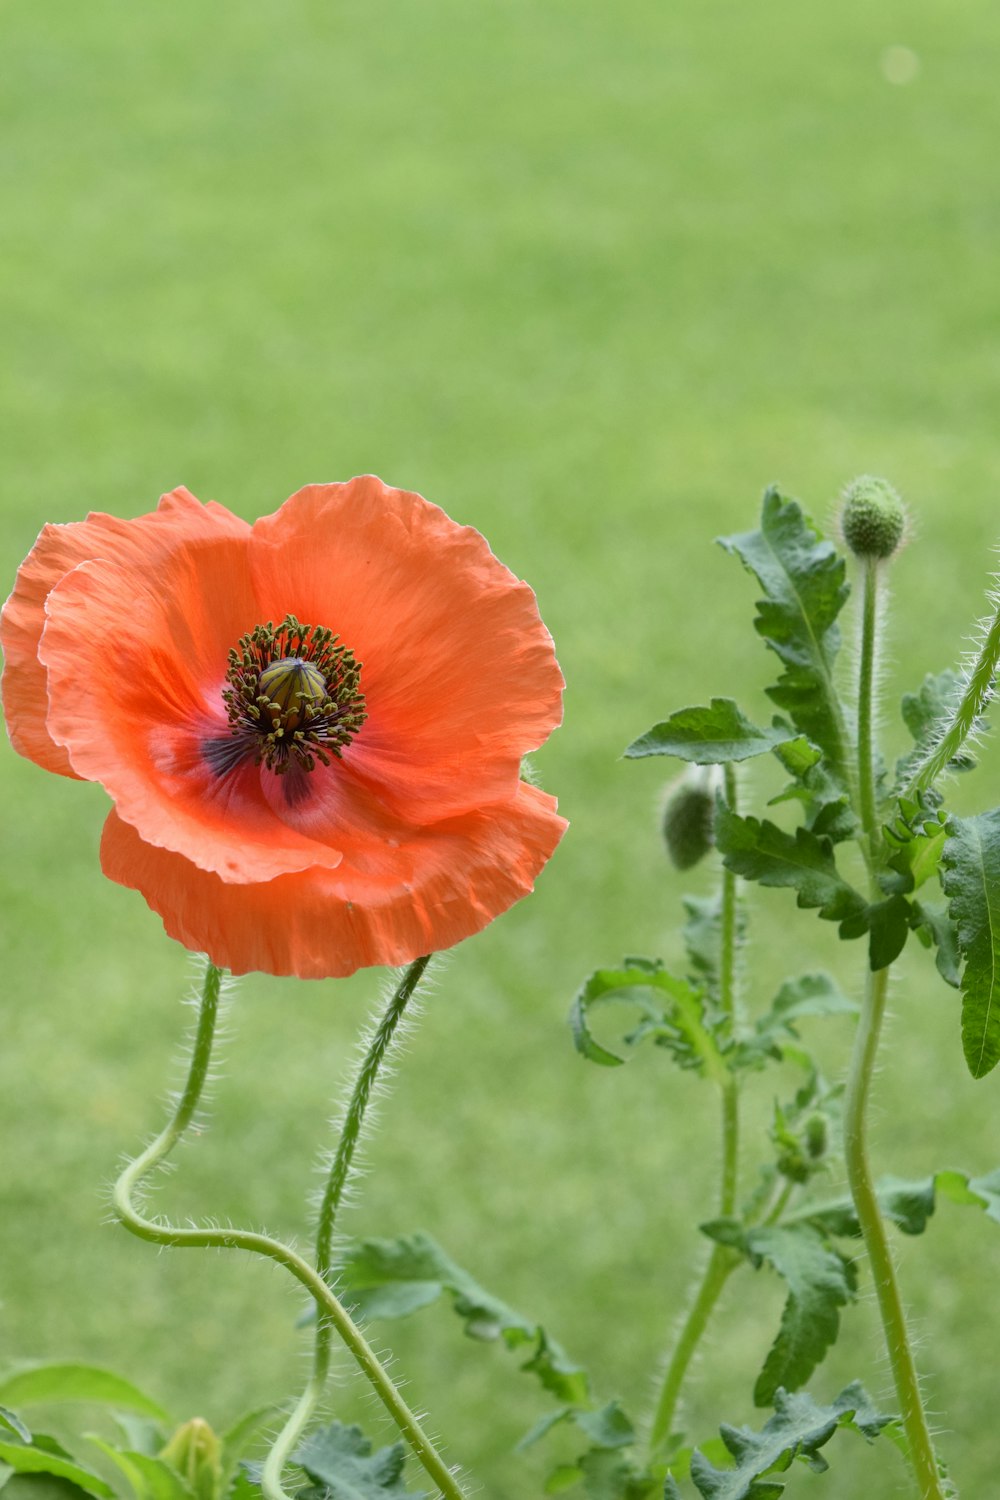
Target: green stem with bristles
[(859, 1080), (723, 1260), (340, 1171), (328, 1306), (979, 690)]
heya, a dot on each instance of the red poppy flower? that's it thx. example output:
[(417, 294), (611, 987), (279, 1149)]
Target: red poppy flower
[(311, 728)]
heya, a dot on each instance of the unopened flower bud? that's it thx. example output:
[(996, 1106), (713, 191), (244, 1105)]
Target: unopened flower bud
[(688, 819), (816, 1136), (872, 518), (195, 1453)]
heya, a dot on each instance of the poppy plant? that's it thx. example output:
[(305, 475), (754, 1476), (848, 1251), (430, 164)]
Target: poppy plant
[(311, 727)]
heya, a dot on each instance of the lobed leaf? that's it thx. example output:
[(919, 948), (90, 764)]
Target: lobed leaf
[(820, 1281), (909, 1204), (340, 1459), (718, 735), (808, 995), (805, 587), (759, 850), (971, 881), (672, 1013), (798, 1430), (390, 1278)]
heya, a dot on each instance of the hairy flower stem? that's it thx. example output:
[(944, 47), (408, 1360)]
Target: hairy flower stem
[(723, 1260), (979, 689), (340, 1171), (859, 1079), (328, 1306)]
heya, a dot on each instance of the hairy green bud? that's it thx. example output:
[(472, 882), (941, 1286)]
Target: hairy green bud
[(688, 818), (872, 517), (816, 1136)]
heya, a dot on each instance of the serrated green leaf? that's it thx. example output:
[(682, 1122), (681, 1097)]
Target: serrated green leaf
[(717, 735), (804, 862), (371, 1269), (798, 1430), (908, 1203), (340, 1458), (820, 1281), (805, 587), (11, 1422), (34, 1458), (672, 1011), (30, 1385), (926, 714), (971, 880), (915, 856), (543, 1427), (935, 927), (150, 1478)]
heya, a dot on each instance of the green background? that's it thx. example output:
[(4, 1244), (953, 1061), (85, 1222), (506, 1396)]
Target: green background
[(588, 276)]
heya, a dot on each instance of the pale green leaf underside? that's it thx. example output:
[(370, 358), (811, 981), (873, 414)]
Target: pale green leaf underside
[(340, 1459), (819, 1282), (389, 1278), (798, 1430)]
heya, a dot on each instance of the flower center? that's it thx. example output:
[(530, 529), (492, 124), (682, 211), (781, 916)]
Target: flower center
[(293, 695)]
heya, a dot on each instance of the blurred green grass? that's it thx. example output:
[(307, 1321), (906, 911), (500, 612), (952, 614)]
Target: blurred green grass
[(588, 276)]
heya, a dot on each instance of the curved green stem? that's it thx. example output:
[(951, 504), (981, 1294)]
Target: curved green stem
[(722, 1261), (859, 1079), (979, 689), (340, 1171), (921, 1448), (328, 1305)]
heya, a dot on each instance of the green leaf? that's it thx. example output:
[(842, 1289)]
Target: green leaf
[(916, 856), (798, 1430), (804, 585), (610, 1476), (808, 995), (10, 1421), (820, 1281), (150, 1478), (340, 1458), (239, 1437), (33, 1384), (38, 1459), (926, 713), (804, 862), (908, 1203), (386, 1278), (672, 1012), (889, 927), (719, 734), (935, 927), (971, 881), (607, 1428)]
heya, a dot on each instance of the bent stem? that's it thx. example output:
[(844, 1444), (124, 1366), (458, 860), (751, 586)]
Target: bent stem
[(859, 1079), (328, 1306), (723, 1260), (340, 1171)]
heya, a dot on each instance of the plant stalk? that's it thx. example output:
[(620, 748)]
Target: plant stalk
[(337, 1178), (328, 1306), (859, 1080), (723, 1260)]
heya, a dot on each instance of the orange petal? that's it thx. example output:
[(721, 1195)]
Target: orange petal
[(178, 518), (379, 907), (459, 673), (136, 657)]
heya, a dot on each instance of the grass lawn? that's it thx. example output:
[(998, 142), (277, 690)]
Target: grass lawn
[(588, 276)]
